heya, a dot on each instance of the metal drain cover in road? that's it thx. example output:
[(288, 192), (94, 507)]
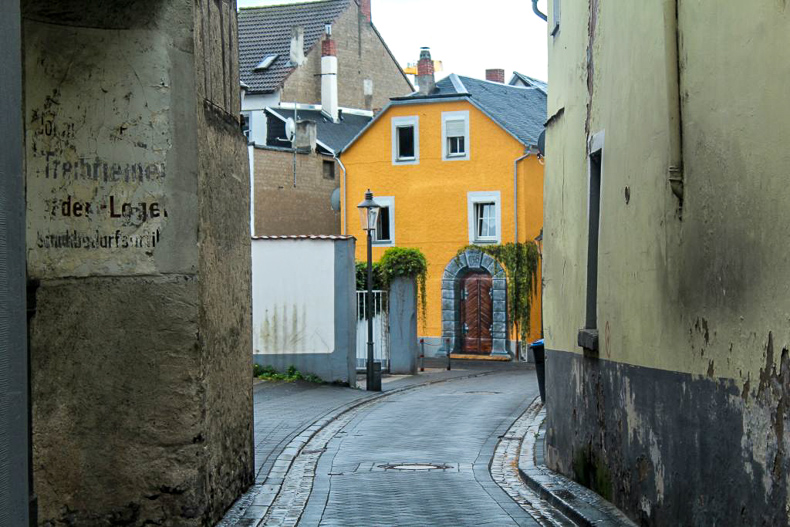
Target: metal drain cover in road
[(415, 466)]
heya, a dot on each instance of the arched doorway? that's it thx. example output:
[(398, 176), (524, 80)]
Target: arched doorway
[(477, 313), (458, 275)]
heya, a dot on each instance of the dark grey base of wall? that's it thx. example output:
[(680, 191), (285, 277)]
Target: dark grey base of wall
[(671, 448)]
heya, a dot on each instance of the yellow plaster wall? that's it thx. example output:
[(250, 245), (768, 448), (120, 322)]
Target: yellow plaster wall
[(431, 197)]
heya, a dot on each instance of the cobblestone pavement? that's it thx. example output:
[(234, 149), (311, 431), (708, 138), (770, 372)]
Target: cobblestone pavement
[(288, 414), (455, 426), (519, 441)]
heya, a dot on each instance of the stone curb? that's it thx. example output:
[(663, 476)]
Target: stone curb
[(581, 505), (254, 504)]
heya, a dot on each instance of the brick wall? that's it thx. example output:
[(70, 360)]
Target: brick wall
[(361, 55), (280, 207)]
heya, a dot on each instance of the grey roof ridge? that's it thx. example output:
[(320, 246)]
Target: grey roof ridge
[(458, 84), (502, 85), (288, 4)]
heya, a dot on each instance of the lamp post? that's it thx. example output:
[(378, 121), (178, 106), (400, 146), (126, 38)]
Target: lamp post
[(368, 215)]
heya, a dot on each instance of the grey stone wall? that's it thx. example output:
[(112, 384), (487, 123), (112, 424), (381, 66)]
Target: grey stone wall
[(140, 340), (404, 346)]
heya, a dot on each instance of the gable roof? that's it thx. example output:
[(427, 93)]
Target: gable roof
[(529, 81), (266, 31), (520, 111), (333, 136)]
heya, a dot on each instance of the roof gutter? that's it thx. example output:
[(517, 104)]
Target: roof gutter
[(343, 207), (538, 12), (515, 194)]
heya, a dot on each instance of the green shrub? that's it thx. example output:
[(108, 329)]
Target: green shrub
[(396, 262)]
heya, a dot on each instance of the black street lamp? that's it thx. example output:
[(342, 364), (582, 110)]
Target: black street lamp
[(369, 214)]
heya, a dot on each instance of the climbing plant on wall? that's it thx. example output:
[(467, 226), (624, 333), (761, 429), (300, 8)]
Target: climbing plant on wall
[(397, 262), (520, 261)]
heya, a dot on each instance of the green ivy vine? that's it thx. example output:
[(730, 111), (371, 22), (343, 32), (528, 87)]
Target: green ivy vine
[(520, 261), (398, 262)]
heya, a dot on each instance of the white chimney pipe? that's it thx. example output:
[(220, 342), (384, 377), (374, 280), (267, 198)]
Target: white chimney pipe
[(329, 102)]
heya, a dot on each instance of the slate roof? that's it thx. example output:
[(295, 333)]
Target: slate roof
[(266, 31), (519, 110), (530, 81), (334, 135)]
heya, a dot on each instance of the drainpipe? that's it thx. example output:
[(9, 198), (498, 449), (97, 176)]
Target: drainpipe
[(515, 194), (537, 11), (675, 122), (343, 226)]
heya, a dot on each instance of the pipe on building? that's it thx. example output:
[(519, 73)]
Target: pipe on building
[(538, 12), (343, 226), (515, 194), (674, 110)]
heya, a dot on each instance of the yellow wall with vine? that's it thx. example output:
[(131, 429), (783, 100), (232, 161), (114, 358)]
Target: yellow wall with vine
[(431, 196)]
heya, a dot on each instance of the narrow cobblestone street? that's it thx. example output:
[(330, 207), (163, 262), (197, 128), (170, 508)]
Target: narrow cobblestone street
[(455, 424), (440, 448)]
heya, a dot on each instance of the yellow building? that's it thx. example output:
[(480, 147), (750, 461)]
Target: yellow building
[(443, 164)]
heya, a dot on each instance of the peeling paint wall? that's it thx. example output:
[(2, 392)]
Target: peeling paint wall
[(681, 413), (304, 306), (138, 259)]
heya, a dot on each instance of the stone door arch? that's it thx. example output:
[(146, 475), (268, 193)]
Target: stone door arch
[(469, 261)]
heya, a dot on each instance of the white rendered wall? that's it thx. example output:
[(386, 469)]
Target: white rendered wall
[(293, 296)]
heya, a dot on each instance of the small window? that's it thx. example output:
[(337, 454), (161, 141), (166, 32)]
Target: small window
[(485, 217), (382, 232), (485, 221), (329, 170), (263, 65), (385, 225), (405, 140), (406, 143), (245, 124), (455, 134)]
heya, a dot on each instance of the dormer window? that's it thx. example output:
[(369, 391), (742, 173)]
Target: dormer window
[(265, 63)]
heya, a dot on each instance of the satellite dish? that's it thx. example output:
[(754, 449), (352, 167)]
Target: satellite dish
[(335, 200), (542, 143), (290, 128)]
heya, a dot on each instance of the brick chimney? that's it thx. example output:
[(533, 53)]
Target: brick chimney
[(496, 76), (329, 103), (364, 7), (425, 79)]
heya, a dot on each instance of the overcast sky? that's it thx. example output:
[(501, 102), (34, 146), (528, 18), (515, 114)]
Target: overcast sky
[(468, 36)]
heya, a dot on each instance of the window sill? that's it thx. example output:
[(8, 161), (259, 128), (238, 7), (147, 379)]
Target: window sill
[(383, 243), (486, 242), (588, 339), (464, 157)]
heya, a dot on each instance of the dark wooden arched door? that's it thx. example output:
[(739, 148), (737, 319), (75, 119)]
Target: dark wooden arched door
[(477, 308)]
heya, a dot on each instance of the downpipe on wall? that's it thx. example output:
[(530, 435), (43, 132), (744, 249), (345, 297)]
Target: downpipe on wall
[(515, 194), (343, 227), (674, 109)]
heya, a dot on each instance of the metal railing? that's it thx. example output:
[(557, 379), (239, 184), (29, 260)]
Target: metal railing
[(381, 334)]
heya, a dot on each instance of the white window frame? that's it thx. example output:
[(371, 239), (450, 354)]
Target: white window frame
[(473, 198), (399, 122), (455, 116), (386, 201)]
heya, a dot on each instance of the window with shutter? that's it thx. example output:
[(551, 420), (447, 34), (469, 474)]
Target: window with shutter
[(455, 132)]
